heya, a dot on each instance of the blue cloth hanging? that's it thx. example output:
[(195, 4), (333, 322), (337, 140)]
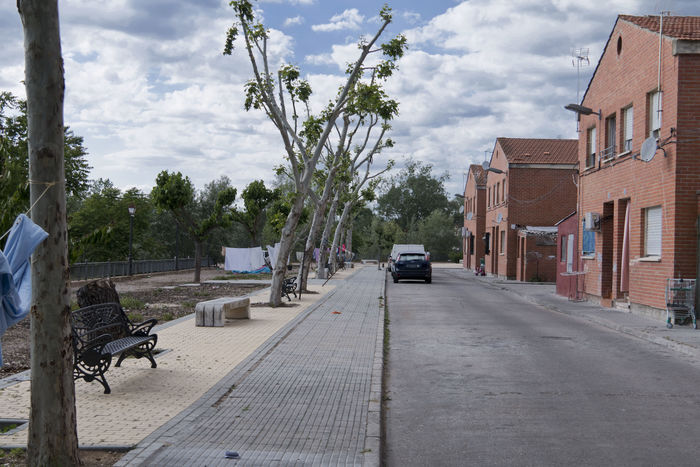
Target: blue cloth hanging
[(15, 272)]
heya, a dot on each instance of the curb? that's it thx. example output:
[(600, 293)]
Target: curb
[(373, 433)]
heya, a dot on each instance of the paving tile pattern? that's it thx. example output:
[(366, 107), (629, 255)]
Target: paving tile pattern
[(309, 396)]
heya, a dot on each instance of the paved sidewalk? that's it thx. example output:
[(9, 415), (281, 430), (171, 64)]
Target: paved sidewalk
[(310, 395), (683, 339)]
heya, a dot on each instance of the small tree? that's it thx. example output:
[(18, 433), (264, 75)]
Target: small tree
[(52, 438), (304, 142), (256, 198), (175, 193)]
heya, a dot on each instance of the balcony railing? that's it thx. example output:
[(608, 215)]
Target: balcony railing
[(607, 153)]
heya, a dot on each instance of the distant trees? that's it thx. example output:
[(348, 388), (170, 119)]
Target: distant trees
[(176, 194), (14, 160)]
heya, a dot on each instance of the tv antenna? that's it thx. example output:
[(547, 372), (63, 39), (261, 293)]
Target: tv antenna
[(580, 56)]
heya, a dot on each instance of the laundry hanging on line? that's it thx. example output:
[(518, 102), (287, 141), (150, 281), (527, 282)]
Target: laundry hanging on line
[(15, 272)]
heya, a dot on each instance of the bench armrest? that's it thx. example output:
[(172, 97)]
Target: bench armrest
[(97, 344), (144, 328)]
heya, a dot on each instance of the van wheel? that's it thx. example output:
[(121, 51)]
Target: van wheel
[(396, 280), (429, 280)]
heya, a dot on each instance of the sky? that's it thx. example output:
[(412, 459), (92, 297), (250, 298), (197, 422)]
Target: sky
[(148, 88)]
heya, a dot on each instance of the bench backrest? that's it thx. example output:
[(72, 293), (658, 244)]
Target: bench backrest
[(93, 321)]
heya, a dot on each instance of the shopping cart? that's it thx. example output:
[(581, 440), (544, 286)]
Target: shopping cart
[(680, 302)]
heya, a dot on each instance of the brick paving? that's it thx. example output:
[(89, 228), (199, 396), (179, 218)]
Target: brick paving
[(309, 396)]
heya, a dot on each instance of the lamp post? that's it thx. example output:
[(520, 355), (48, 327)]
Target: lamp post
[(132, 211)]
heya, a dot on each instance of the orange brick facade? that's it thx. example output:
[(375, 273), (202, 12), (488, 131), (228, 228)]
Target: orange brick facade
[(626, 75), (474, 217), (537, 188)]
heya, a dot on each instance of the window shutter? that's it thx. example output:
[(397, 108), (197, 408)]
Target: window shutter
[(652, 232)]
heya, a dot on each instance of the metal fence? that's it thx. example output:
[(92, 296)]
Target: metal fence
[(82, 271)]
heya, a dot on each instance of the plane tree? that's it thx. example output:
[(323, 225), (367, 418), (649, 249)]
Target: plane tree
[(284, 97)]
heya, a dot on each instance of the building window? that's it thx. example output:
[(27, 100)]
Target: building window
[(628, 129), (590, 148), (489, 197), (487, 243), (501, 249), (610, 133), (588, 244), (654, 113), (504, 191), (498, 192), (562, 249), (652, 231)]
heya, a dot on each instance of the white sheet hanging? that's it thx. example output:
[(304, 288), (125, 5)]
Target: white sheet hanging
[(244, 259), (273, 251)]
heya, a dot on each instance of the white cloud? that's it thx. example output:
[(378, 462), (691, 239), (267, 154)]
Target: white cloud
[(411, 17), (349, 19), (293, 21)]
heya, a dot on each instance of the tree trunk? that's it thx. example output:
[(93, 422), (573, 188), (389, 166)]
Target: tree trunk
[(349, 243), (338, 230), (286, 243), (97, 292), (322, 255), (197, 260), (52, 437), (319, 216)]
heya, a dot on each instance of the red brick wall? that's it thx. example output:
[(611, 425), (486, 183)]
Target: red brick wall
[(670, 181), (535, 195), (474, 202)]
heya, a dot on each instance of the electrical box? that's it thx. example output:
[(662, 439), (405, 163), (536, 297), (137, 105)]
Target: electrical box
[(591, 221)]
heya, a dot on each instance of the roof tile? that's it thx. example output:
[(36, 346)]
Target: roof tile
[(680, 27), (539, 151)]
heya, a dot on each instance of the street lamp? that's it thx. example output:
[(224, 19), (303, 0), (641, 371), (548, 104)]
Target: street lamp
[(579, 109), (132, 211)]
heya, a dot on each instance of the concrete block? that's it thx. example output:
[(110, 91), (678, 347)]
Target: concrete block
[(216, 310)]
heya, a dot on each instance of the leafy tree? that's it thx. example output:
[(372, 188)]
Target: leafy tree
[(52, 437), (99, 226), (14, 161), (439, 235), (175, 193), (413, 195), (304, 138), (256, 199)]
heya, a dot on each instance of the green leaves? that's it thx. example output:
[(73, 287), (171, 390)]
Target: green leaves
[(172, 192)]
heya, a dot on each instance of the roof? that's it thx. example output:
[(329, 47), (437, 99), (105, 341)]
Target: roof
[(679, 27), (478, 173), (539, 151), (567, 217)]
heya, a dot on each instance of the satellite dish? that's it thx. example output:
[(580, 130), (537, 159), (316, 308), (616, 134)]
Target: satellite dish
[(461, 209), (485, 165), (649, 149), (499, 217), (470, 215)]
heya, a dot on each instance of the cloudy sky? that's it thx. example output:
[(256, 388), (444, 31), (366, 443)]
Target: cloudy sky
[(148, 88)]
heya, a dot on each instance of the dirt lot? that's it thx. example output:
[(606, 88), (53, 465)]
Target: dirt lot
[(161, 296)]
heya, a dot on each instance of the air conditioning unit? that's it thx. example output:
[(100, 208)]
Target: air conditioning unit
[(591, 221)]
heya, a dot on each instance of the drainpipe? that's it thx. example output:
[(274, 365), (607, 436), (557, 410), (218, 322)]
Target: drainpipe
[(697, 253)]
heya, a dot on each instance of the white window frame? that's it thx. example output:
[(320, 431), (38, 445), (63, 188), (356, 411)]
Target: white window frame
[(590, 147), (653, 231), (610, 137), (628, 128), (655, 99)]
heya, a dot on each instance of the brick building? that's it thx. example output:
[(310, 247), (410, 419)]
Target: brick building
[(638, 218), (531, 182), (474, 217)]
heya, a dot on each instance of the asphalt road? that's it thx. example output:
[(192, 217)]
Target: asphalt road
[(476, 376)]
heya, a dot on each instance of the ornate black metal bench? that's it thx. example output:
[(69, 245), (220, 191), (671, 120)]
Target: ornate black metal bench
[(290, 286), (100, 331)]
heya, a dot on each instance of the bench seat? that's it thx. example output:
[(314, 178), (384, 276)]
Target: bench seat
[(214, 312)]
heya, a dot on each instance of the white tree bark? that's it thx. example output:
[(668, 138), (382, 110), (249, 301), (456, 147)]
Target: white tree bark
[(52, 438), (330, 219)]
